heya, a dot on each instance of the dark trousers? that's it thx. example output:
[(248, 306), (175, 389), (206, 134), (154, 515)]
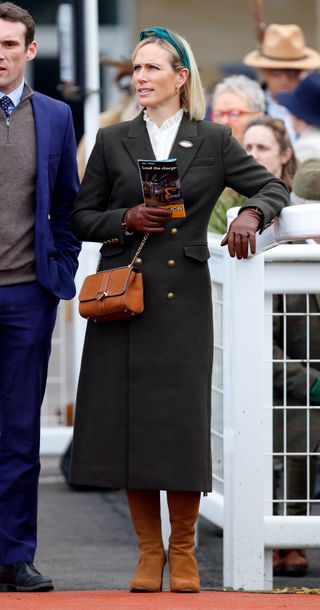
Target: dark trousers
[(296, 471), (27, 318)]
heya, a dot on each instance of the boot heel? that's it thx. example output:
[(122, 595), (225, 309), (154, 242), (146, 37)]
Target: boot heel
[(148, 577)]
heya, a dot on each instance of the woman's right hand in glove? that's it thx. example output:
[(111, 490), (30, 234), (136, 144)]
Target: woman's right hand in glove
[(147, 219)]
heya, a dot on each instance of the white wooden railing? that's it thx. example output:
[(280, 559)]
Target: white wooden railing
[(242, 500)]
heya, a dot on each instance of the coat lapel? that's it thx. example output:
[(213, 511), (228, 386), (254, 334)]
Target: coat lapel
[(187, 132), (138, 143), (139, 146)]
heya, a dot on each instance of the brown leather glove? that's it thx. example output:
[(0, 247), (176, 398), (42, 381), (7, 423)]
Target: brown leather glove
[(242, 231), (147, 219)]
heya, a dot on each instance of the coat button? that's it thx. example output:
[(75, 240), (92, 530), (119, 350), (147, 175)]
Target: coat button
[(138, 261), (171, 263), (174, 231), (170, 296)]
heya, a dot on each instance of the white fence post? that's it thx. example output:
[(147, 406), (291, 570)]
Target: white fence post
[(268, 427), (243, 425)]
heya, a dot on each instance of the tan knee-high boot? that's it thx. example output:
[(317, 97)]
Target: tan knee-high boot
[(183, 511), (145, 513)]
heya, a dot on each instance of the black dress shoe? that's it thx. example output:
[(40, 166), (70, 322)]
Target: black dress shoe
[(23, 577)]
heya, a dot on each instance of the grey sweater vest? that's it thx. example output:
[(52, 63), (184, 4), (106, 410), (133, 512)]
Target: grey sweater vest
[(18, 173)]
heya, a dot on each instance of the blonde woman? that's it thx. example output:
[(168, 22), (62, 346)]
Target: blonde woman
[(144, 398)]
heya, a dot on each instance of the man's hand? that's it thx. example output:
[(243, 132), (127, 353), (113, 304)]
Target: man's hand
[(242, 231), (147, 219)]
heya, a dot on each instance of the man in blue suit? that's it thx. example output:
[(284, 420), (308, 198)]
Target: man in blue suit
[(38, 261)]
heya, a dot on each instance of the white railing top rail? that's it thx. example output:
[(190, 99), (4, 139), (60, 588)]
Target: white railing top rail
[(293, 253)]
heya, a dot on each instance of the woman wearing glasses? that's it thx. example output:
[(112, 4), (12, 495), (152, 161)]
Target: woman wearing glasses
[(236, 101), (144, 397)]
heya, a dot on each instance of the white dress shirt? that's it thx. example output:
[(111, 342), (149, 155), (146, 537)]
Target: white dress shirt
[(162, 138)]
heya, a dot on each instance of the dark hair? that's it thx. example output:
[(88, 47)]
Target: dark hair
[(13, 12), (282, 137)]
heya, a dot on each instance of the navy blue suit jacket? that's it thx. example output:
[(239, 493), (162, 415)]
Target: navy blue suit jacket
[(56, 248)]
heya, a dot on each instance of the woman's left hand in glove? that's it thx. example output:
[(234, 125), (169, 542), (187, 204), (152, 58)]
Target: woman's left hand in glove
[(242, 232)]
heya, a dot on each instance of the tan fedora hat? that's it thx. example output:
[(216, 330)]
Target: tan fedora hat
[(283, 46)]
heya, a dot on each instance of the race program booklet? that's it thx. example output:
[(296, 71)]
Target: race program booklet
[(161, 185)]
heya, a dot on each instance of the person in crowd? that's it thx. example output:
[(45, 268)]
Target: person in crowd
[(282, 59), (306, 185), (38, 260), (304, 104), (125, 109), (143, 405), (235, 102), (293, 315), (268, 141)]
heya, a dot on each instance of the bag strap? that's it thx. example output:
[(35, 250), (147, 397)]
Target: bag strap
[(143, 241)]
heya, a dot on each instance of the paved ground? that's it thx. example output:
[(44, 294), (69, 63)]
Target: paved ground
[(86, 542)]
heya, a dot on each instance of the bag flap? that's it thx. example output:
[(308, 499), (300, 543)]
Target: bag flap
[(104, 284)]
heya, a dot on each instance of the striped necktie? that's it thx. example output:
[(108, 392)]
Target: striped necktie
[(5, 102)]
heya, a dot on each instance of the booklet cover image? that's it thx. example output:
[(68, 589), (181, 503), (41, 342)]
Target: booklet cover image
[(161, 185)]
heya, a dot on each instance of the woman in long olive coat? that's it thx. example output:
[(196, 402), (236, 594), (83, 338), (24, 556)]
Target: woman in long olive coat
[(144, 398), (143, 407)]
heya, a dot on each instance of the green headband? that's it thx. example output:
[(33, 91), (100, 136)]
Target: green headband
[(171, 38)]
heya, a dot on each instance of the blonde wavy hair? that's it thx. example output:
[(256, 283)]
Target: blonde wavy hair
[(192, 98)]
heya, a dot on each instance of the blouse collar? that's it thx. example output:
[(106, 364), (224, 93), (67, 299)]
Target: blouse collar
[(172, 120)]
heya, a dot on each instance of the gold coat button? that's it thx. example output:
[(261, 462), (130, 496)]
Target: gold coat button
[(174, 231), (171, 263), (170, 295), (138, 261)]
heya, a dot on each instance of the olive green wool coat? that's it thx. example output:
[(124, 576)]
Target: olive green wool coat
[(144, 398)]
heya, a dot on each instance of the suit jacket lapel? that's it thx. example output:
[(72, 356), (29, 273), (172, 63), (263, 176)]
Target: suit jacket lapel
[(42, 125)]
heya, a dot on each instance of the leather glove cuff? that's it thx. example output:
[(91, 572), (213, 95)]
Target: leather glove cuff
[(255, 214)]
